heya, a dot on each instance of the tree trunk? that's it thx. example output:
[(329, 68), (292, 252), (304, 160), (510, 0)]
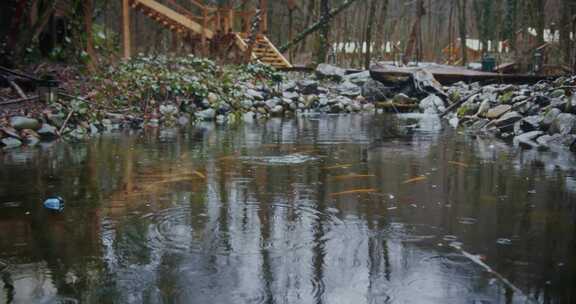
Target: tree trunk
[(316, 26), (324, 39), (88, 11), (462, 7), (371, 17)]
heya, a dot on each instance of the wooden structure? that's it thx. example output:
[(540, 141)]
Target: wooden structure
[(210, 26), (447, 75)]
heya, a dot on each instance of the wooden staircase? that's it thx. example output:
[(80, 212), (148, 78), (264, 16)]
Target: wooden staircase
[(181, 21), (264, 51)]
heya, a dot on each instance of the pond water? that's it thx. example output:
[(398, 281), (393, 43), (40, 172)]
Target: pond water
[(317, 209)]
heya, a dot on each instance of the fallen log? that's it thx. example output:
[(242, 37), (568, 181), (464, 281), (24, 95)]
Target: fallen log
[(459, 103)]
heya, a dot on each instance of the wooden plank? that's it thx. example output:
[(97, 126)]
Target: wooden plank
[(286, 62), (176, 17)]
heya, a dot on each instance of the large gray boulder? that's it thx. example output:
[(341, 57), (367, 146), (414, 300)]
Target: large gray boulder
[(374, 90), (358, 78), (326, 71), (308, 87), (564, 124), (348, 89)]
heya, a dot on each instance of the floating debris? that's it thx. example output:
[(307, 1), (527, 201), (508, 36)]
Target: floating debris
[(55, 203), (415, 179), (357, 191), (459, 164), (504, 242), (467, 221)]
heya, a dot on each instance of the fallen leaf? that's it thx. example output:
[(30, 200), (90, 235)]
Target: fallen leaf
[(356, 191), (415, 179)]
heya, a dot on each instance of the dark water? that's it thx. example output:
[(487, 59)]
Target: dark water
[(340, 209)]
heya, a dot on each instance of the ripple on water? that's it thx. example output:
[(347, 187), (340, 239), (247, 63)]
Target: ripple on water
[(186, 230), (412, 233), (290, 159)]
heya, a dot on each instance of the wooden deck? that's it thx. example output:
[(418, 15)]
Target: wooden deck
[(447, 75)]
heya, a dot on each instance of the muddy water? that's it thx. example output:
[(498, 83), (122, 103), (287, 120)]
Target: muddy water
[(337, 209)]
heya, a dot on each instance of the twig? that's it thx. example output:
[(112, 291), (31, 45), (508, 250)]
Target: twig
[(65, 122), (18, 100), (17, 89), (476, 260)]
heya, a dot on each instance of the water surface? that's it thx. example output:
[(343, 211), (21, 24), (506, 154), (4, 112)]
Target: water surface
[(318, 209)]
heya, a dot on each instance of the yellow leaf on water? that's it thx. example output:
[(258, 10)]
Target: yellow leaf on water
[(353, 176), (415, 179), (356, 191), (199, 174)]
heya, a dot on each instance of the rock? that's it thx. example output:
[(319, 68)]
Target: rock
[(368, 107), (168, 109), (55, 119), (528, 139), (358, 78), (564, 124), (208, 114), (78, 134), (224, 108), (22, 122), (277, 110), (10, 143), (546, 139), (290, 95), (374, 90), (308, 87), (402, 99), (47, 132), (478, 125), (482, 108), (212, 98), (557, 94), (349, 89), (246, 104), (272, 103), (531, 123), (329, 71), (183, 120), (559, 103), (10, 132), (289, 86), (432, 105), (116, 118), (508, 120), (498, 111), (253, 94), (550, 116)]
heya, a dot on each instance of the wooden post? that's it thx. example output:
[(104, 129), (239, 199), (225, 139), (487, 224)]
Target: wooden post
[(126, 28)]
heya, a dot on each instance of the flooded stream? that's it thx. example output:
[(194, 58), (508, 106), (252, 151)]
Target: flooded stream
[(318, 209)]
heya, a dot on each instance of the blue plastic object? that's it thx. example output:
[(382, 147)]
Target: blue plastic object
[(55, 203)]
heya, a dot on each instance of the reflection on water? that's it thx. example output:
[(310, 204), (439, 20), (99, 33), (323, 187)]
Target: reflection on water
[(321, 209)]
